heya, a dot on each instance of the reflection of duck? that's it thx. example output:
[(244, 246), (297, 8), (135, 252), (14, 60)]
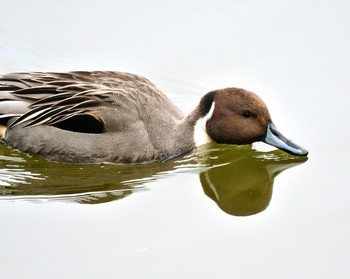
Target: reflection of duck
[(99, 117), (243, 186), (30, 178)]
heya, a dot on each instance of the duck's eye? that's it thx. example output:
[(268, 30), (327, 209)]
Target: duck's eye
[(247, 114)]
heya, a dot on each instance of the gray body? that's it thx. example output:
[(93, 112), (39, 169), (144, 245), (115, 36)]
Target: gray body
[(140, 124)]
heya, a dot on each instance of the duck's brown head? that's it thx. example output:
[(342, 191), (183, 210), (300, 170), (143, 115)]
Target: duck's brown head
[(237, 116)]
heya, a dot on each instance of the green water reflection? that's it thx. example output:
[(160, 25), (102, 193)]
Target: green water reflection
[(239, 179), (244, 185)]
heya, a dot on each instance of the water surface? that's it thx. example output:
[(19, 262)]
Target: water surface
[(221, 211)]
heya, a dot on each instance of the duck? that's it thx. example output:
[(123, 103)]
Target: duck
[(97, 117)]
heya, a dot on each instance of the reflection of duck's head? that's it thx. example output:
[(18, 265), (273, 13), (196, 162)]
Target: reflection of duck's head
[(244, 186)]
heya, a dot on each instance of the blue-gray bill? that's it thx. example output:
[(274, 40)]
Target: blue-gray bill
[(275, 138)]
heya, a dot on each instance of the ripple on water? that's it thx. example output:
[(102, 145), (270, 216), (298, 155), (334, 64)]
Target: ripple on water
[(238, 178)]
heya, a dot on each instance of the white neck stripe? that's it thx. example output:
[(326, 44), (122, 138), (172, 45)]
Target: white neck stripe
[(200, 132)]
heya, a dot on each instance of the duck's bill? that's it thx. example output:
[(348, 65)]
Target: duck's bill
[(275, 138)]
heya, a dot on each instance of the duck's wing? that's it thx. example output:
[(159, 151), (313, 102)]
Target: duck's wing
[(76, 101), (31, 87)]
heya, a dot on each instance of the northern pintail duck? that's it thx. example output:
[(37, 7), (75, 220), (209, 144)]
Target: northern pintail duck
[(115, 117)]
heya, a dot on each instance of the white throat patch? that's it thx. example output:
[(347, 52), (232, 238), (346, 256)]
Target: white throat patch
[(200, 132)]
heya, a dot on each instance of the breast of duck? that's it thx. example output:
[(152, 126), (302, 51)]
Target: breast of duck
[(115, 117)]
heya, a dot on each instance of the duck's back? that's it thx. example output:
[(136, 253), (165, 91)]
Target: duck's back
[(87, 117)]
